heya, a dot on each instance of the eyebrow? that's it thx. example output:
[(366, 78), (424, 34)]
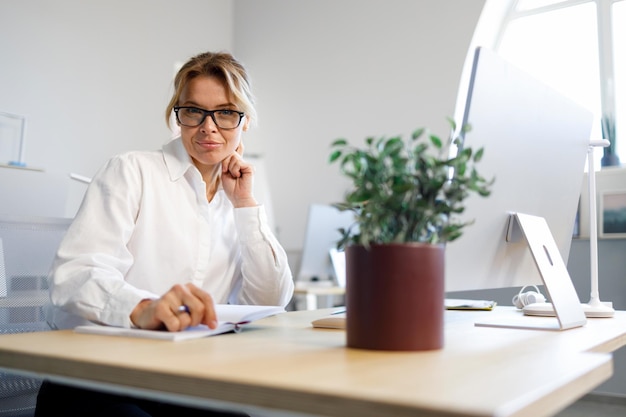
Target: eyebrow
[(220, 106)]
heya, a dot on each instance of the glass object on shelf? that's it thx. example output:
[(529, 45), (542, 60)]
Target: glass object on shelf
[(12, 137)]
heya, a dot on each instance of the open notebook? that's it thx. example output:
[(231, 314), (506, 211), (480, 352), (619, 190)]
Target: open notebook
[(337, 319), (230, 318)]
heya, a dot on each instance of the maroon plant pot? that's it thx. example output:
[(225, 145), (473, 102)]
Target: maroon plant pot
[(395, 297)]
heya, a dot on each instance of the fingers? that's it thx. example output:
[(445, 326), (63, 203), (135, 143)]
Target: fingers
[(173, 320), (234, 162), (237, 179), (206, 308), (236, 166), (198, 308), (231, 165)]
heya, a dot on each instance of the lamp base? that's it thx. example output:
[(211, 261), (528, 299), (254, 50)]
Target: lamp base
[(592, 309), (599, 309)]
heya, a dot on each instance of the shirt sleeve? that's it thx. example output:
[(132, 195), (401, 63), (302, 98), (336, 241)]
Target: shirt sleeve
[(87, 277), (267, 278)]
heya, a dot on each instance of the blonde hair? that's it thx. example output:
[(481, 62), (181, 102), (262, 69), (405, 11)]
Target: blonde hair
[(225, 68)]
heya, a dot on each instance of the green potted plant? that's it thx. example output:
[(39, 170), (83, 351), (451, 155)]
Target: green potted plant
[(406, 196)]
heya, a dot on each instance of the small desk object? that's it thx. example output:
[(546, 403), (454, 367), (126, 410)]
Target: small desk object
[(283, 364), (312, 290)]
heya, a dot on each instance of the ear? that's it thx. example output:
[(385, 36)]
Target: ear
[(246, 124)]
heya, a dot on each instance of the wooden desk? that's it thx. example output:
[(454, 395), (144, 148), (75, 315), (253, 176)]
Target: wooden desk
[(282, 363)]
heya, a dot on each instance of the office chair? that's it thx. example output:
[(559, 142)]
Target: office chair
[(27, 248)]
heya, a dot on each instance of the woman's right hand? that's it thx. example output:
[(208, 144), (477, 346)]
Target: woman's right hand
[(164, 312)]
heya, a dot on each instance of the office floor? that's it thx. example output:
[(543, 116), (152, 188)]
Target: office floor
[(589, 406), (596, 406)]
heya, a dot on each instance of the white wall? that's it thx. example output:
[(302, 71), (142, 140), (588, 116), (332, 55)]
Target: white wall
[(94, 78), (326, 69)]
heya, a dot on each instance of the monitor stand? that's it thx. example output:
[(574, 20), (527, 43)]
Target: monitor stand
[(595, 307), (566, 305)]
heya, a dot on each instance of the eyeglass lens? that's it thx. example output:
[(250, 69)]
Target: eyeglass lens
[(193, 116)]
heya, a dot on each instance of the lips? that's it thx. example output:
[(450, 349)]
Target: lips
[(209, 144)]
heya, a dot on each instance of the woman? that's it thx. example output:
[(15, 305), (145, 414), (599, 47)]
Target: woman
[(176, 227)]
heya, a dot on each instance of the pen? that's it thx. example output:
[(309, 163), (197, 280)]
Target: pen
[(183, 309)]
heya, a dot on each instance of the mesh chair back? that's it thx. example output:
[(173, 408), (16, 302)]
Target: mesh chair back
[(27, 248)]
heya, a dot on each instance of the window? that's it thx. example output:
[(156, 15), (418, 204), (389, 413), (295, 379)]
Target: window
[(576, 47), (619, 60)]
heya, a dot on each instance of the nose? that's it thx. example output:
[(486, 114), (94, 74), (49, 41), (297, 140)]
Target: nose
[(208, 125)]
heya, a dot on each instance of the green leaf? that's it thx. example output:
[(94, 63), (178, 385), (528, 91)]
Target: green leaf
[(436, 141), (479, 155), (393, 145), (451, 122), (339, 142), (334, 156), (418, 133)]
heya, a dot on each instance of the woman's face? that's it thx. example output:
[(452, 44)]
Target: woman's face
[(207, 144)]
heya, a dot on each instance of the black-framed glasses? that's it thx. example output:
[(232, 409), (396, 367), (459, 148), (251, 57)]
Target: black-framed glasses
[(193, 117)]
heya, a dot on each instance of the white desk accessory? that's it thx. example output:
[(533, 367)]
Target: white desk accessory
[(545, 252), (338, 259), (595, 307), (80, 178)]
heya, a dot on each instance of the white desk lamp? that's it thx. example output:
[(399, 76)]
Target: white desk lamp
[(595, 307)]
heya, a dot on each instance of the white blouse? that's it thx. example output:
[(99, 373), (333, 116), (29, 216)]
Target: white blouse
[(144, 225)]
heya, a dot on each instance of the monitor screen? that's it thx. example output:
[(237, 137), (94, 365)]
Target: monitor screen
[(535, 142), (320, 260)]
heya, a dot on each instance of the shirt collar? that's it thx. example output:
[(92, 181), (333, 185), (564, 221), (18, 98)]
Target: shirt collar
[(177, 160)]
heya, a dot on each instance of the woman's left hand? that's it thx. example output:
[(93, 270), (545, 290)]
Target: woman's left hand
[(237, 179)]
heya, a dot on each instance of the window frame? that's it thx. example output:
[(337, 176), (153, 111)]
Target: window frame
[(507, 12)]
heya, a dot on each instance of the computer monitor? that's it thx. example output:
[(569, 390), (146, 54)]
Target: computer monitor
[(535, 143), (320, 262)]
